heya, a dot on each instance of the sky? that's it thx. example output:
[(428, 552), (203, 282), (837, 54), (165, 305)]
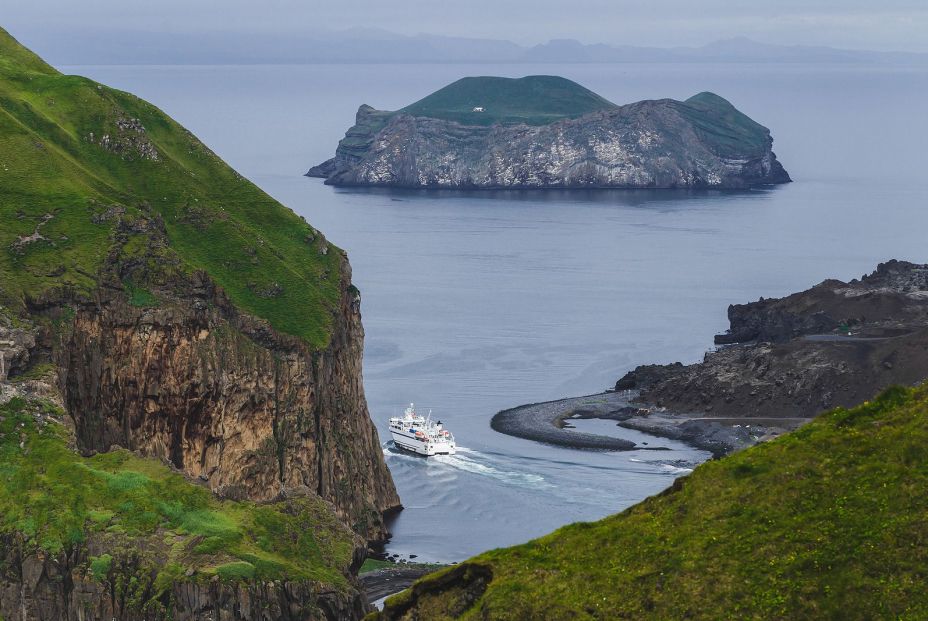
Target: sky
[(875, 25)]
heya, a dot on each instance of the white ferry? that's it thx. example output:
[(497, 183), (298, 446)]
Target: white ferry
[(420, 434)]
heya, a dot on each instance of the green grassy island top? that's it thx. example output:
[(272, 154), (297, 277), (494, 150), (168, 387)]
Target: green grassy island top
[(487, 100)]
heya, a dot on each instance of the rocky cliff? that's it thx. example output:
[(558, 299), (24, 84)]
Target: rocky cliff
[(174, 309), (62, 587), (835, 344), (251, 412), (703, 142)]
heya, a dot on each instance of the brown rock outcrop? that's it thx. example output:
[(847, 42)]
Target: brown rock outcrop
[(254, 413)]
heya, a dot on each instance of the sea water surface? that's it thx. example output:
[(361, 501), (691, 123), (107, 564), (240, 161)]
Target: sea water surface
[(474, 302)]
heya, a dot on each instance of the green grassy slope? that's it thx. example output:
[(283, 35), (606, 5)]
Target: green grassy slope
[(535, 100), (730, 132), (57, 499), (73, 151), (828, 522)]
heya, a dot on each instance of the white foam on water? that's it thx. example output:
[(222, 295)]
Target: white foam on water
[(664, 467), (467, 464), (675, 469), (471, 464)]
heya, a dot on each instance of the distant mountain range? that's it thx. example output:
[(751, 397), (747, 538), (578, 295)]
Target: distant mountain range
[(380, 46)]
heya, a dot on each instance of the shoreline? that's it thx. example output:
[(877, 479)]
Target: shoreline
[(547, 421), (382, 583), (544, 422)]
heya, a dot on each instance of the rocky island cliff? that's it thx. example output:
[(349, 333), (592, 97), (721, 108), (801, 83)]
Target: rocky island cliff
[(549, 132), (156, 304)]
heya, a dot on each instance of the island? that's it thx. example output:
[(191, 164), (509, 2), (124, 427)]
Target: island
[(549, 132)]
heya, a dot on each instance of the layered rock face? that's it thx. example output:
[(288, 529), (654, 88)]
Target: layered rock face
[(703, 142), (225, 398)]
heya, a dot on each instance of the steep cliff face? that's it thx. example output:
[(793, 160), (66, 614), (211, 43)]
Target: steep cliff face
[(191, 316), (226, 398), (703, 142)]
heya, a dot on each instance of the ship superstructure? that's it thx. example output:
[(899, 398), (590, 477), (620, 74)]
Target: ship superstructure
[(420, 434)]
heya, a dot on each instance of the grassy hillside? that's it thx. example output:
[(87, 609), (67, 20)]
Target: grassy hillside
[(535, 100), (828, 522), (80, 162), (57, 499), (729, 131)]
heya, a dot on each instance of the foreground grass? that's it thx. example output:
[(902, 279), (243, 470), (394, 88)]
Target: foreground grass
[(828, 522), (54, 500), (86, 169)]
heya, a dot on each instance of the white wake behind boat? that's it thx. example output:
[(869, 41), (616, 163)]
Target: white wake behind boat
[(420, 434)]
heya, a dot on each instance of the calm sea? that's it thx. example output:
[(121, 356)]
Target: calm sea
[(477, 302)]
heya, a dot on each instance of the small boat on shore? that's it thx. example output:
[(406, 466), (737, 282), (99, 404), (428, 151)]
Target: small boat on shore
[(420, 434)]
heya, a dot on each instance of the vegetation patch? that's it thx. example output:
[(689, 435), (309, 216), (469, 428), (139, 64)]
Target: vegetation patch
[(36, 371), (373, 564), (723, 127), (140, 297), (100, 566), (236, 570)]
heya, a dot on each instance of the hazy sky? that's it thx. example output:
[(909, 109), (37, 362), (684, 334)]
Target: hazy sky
[(860, 24)]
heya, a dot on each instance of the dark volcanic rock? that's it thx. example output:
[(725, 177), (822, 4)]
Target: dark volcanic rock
[(742, 394), (548, 422), (324, 170), (647, 374), (884, 298), (703, 142), (795, 370)]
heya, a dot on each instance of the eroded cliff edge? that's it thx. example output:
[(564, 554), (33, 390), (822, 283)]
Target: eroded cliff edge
[(703, 142)]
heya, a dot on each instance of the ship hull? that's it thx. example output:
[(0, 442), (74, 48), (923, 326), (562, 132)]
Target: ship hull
[(413, 445)]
